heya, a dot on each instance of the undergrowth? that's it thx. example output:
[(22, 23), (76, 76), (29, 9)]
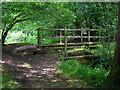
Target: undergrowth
[(7, 81), (73, 69)]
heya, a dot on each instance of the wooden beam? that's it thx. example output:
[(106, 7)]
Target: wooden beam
[(60, 44), (88, 35), (81, 35), (38, 34), (100, 36), (60, 36), (88, 56), (73, 37), (73, 29), (71, 47), (65, 41), (51, 37)]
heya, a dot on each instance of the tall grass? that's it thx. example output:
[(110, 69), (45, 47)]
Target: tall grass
[(73, 69)]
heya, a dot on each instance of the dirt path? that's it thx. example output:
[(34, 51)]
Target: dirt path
[(35, 71)]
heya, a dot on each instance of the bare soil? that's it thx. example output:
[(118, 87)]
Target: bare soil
[(34, 70)]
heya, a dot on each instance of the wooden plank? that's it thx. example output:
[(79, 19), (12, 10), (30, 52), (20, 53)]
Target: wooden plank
[(88, 56), (73, 37), (72, 29), (60, 44), (86, 36), (71, 47), (52, 37), (65, 42)]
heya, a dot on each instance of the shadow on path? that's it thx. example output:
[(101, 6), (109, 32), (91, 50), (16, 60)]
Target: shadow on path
[(35, 71)]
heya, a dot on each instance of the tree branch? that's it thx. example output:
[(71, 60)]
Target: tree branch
[(16, 17), (14, 24)]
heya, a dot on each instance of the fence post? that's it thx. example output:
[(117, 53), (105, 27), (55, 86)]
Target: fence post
[(38, 34), (60, 37), (88, 35), (81, 35), (99, 35), (65, 41)]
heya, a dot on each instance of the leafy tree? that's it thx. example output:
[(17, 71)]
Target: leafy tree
[(55, 15), (113, 77), (14, 13)]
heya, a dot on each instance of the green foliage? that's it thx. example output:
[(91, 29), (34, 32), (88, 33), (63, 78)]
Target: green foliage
[(104, 49), (56, 15), (73, 69), (20, 37), (7, 81), (15, 37), (104, 60)]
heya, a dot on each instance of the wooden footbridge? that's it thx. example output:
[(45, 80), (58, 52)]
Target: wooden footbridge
[(65, 43), (82, 36)]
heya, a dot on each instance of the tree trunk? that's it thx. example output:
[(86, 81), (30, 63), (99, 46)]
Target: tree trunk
[(4, 35), (114, 75), (76, 21), (3, 40)]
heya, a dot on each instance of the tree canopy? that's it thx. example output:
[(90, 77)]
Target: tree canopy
[(56, 15)]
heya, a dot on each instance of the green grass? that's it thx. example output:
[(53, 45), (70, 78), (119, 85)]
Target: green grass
[(7, 81), (95, 76), (73, 69), (100, 49)]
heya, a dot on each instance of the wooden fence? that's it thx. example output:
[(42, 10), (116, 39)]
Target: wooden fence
[(66, 37)]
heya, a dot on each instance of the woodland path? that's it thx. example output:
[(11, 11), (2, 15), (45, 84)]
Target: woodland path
[(35, 70)]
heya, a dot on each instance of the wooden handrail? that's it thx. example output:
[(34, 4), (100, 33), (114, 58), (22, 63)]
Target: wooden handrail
[(83, 43), (73, 37), (72, 29)]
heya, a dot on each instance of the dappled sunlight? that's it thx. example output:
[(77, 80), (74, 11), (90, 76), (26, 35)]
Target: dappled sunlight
[(69, 80), (1, 62), (56, 80), (47, 70), (25, 65), (8, 62), (34, 71), (50, 76), (57, 62), (27, 74), (58, 71), (78, 49)]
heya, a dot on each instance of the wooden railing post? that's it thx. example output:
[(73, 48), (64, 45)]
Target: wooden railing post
[(81, 35), (88, 35), (60, 37), (100, 36), (65, 41), (38, 34)]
